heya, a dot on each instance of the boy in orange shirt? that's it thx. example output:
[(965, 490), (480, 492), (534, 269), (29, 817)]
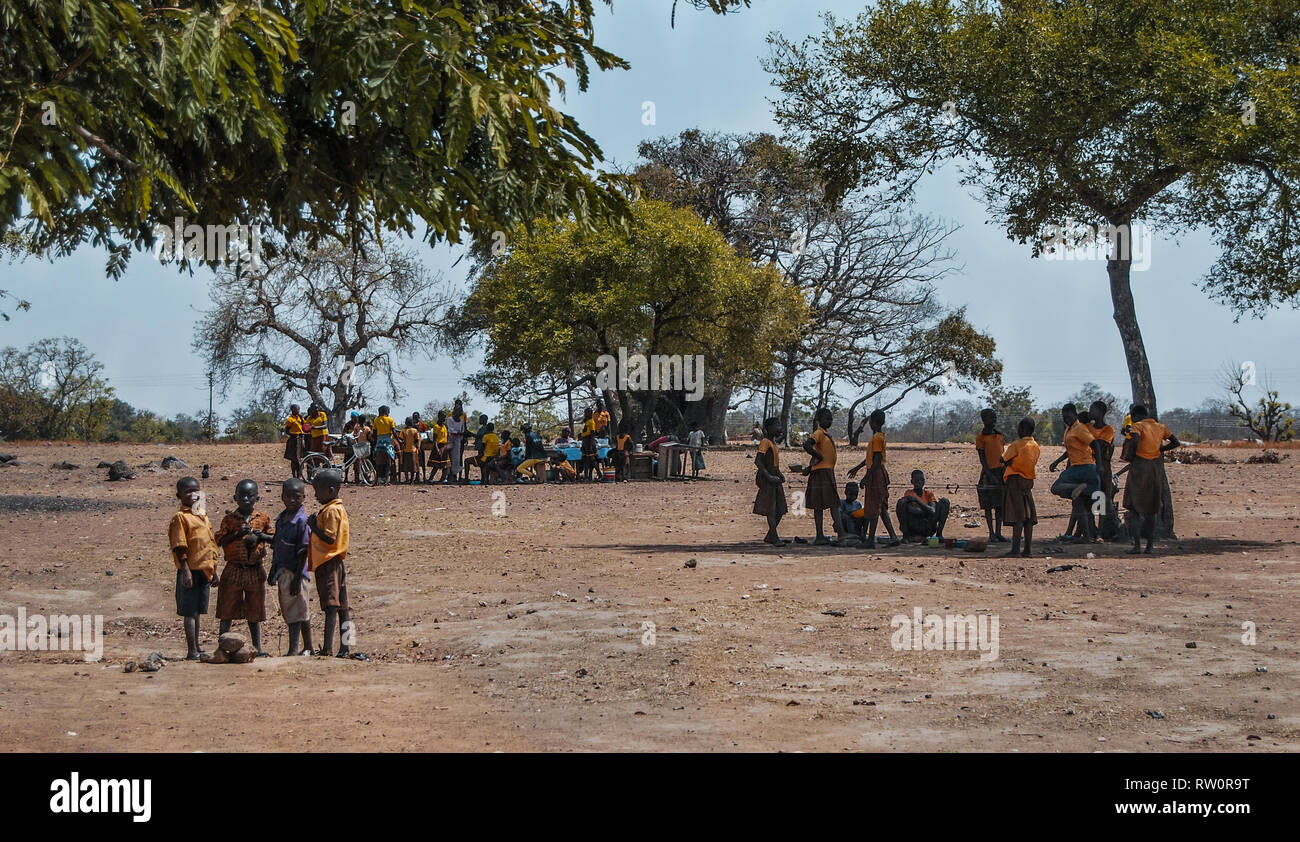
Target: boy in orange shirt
[(328, 549), (194, 551), (1021, 459)]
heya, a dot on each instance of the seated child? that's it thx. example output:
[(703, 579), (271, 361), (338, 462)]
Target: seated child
[(853, 515), (562, 469), (920, 513)]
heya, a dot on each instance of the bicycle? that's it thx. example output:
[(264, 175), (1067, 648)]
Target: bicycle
[(315, 462)]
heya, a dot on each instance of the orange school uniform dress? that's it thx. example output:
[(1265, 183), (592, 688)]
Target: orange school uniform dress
[(1142, 491), (770, 500), (1021, 460), (875, 482), (821, 492)]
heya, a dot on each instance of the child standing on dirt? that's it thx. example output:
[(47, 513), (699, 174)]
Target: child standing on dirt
[(295, 445), (384, 449), (821, 493), (291, 543), (241, 594), (770, 500), (989, 444), (329, 547), (410, 450), (875, 482), (1021, 459), (194, 551)]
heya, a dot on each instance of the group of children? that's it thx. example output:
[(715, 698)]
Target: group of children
[(439, 452), (1005, 486), (303, 547)]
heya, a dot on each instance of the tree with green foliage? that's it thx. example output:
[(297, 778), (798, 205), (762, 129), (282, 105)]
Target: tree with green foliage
[(559, 298), (53, 389), (1180, 113), (297, 116)]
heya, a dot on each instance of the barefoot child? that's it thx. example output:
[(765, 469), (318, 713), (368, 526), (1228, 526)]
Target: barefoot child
[(289, 548), (241, 595), (1142, 490), (853, 515), (875, 482), (194, 551), (821, 493), (329, 547), (1020, 458), (989, 444), (770, 500), (920, 513), (1107, 526), (1078, 482)]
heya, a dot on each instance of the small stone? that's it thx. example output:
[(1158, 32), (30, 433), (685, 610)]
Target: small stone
[(231, 642), (690, 564), (1191, 644), (130, 666)]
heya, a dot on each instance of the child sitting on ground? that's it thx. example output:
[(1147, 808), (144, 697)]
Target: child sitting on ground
[(853, 515), (920, 513)]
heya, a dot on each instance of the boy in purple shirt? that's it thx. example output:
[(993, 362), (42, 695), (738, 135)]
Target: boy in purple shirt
[(289, 565)]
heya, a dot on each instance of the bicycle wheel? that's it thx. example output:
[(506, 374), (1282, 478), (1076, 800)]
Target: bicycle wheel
[(367, 469), (315, 463)]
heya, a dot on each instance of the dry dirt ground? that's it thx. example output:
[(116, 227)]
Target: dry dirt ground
[(526, 632)]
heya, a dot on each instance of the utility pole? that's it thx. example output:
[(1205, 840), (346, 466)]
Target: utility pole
[(211, 378)]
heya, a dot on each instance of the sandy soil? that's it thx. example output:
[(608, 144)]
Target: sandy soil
[(525, 632)]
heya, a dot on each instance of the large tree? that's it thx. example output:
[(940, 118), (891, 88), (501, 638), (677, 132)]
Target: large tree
[(1179, 113), (53, 389), (297, 115), (327, 322), (666, 283)]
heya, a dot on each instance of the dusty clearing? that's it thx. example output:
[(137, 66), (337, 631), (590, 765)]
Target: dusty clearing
[(525, 632)]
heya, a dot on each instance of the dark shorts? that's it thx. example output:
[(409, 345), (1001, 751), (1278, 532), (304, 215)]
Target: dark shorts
[(242, 593), (332, 584), (875, 492), (194, 599)]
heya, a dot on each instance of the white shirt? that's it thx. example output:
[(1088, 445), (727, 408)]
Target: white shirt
[(696, 438)]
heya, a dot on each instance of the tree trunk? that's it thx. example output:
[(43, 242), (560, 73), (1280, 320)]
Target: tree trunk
[(715, 419), (1139, 371), (787, 401)]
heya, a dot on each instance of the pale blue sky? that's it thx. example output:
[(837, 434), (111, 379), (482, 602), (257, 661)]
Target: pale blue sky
[(706, 73)]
